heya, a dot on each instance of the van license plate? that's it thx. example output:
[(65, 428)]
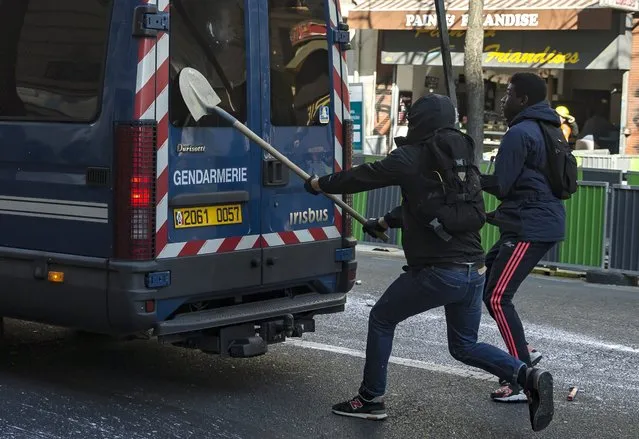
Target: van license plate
[(207, 216)]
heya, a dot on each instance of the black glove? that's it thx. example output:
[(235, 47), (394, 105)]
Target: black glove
[(308, 187), (372, 226), (488, 181)]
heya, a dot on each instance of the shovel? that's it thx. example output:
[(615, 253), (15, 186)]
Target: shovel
[(201, 99)]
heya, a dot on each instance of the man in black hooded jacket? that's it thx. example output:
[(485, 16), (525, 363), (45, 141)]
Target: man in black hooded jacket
[(449, 273)]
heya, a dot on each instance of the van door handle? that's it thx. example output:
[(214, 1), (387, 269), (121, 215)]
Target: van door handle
[(274, 173)]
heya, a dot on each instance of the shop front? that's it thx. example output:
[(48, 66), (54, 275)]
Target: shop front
[(581, 47)]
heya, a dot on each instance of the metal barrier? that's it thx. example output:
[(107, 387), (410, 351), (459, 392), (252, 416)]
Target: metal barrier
[(378, 203), (586, 217), (359, 204), (624, 242), (611, 176), (632, 178), (489, 233), (586, 221)]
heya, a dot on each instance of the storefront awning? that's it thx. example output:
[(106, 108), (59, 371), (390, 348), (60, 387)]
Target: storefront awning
[(498, 14), (591, 50)]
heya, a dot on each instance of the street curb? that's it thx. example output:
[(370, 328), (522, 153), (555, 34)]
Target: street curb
[(612, 277), (625, 280), (558, 272)]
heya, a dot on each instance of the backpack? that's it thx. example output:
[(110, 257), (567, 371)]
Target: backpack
[(561, 165), (452, 201)]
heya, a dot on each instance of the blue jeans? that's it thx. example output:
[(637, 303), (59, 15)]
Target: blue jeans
[(460, 292)]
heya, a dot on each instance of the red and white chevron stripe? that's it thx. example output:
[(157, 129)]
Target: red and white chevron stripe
[(223, 245), (341, 99), (151, 103)]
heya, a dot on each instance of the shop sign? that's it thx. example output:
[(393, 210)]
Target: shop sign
[(494, 54), (551, 49), (356, 91), (490, 20)]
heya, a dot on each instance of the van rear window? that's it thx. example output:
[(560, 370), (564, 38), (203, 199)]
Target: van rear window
[(300, 81), (53, 55), (208, 36)]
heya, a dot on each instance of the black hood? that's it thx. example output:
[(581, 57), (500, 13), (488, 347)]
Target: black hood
[(427, 114)]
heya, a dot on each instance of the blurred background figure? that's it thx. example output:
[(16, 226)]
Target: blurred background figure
[(568, 125), (599, 128)]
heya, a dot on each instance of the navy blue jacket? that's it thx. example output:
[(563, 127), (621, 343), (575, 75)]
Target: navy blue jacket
[(528, 210)]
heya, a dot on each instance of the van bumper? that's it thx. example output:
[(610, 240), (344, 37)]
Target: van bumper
[(241, 277), (113, 297)]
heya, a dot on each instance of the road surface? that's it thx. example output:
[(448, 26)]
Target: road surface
[(59, 384)]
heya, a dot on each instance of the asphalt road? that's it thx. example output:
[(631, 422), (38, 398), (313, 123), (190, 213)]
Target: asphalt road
[(58, 384)]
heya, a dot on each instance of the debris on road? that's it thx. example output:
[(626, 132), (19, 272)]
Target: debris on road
[(358, 282), (572, 392)]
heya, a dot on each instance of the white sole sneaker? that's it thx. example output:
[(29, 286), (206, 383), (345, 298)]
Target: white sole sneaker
[(369, 416), (516, 397)]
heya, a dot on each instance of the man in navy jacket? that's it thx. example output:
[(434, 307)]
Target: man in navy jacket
[(530, 218)]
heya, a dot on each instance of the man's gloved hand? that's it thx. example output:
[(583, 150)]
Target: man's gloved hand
[(372, 226), (308, 185)]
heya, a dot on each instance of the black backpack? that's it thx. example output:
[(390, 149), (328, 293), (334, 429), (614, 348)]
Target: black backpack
[(561, 166), (452, 200)]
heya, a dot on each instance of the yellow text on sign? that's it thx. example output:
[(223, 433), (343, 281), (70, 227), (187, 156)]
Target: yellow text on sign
[(207, 216), (548, 56)]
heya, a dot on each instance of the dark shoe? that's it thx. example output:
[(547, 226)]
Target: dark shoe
[(539, 389), (358, 407)]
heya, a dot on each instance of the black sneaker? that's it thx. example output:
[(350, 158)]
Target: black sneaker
[(358, 407), (539, 389)]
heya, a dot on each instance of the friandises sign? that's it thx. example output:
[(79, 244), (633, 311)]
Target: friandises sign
[(494, 53), (490, 20)]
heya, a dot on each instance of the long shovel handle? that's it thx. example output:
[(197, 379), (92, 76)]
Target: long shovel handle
[(292, 166)]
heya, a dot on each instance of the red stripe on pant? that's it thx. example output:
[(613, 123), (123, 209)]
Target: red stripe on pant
[(498, 293)]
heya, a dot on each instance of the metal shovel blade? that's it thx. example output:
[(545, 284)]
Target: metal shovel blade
[(198, 95)]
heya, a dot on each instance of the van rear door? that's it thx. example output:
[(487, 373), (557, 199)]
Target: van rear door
[(303, 108), (210, 186)]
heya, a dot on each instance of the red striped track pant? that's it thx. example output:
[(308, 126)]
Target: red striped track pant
[(509, 262)]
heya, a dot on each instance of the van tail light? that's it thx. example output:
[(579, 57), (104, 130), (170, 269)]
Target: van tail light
[(347, 161), (135, 161)]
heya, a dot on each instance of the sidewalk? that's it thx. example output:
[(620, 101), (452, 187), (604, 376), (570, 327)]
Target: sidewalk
[(395, 252)]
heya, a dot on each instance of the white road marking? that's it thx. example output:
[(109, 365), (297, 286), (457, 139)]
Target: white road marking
[(417, 364)]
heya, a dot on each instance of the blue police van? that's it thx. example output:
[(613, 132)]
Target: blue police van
[(120, 214)]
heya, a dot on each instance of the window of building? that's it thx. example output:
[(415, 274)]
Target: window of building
[(53, 55), (209, 36), (300, 70)]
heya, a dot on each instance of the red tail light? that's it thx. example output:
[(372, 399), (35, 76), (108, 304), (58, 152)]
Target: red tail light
[(347, 161), (135, 190)]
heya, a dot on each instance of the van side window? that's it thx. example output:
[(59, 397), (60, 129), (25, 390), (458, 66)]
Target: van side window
[(208, 36), (53, 55), (300, 71)]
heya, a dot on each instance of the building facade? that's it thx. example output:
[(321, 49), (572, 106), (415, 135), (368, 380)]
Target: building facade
[(586, 50)]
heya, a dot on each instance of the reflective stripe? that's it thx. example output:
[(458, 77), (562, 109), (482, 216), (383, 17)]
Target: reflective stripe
[(55, 209)]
